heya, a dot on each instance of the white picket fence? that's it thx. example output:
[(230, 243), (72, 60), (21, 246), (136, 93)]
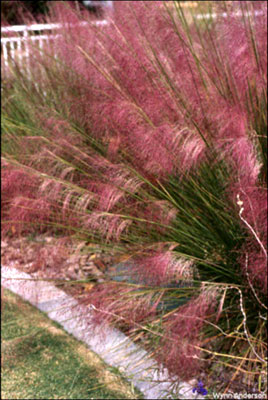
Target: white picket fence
[(18, 45), (239, 13)]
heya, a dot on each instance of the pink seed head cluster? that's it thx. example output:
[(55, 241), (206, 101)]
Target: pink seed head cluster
[(180, 345)]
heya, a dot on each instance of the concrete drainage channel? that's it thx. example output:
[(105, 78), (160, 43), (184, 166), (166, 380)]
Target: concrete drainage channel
[(115, 348)]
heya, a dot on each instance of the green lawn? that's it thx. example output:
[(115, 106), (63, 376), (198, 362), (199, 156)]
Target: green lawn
[(42, 361)]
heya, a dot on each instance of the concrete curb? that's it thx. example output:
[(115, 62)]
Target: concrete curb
[(115, 348)]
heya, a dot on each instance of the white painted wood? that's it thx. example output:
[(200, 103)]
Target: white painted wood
[(43, 27), (25, 33)]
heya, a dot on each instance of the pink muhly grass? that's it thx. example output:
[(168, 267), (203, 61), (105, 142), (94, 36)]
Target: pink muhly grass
[(244, 160), (153, 161), (19, 202), (129, 308), (162, 268), (135, 91), (110, 195), (108, 226), (120, 108), (243, 50), (25, 213), (113, 147), (178, 348), (150, 153), (254, 266), (26, 205), (15, 182), (126, 117), (151, 150), (253, 214), (118, 185), (160, 211), (253, 200)]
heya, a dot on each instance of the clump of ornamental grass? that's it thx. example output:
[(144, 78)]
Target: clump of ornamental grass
[(147, 137)]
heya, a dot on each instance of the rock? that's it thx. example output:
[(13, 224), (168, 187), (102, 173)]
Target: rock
[(121, 273), (71, 276), (49, 239), (73, 259), (92, 270), (100, 264), (83, 260)]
